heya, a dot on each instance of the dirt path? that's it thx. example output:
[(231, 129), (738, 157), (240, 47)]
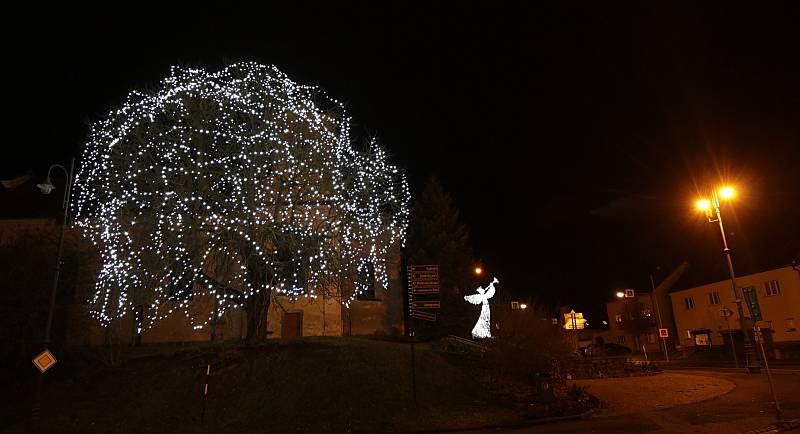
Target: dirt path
[(655, 392)]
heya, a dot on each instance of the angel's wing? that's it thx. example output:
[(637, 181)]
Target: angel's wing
[(474, 298)]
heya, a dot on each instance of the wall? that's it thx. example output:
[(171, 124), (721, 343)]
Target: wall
[(384, 315), (326, 316), (777, 308), (321, 316), (615, 330)]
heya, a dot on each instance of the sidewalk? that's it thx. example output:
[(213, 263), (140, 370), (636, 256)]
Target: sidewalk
[(656, 392)]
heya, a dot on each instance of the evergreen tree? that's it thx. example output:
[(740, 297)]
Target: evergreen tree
[(437, 236)]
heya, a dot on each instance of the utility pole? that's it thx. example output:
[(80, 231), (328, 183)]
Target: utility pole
[(654, 300)]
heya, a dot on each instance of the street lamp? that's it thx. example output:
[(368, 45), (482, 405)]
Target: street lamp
[(711, 207), (478, 271), (620, 294), (47, 187)]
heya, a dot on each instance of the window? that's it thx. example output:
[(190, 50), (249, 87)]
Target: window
[(621, 339), (618, 318), (514, 305), (772, 287), (790, 325), (651, 338), (366, 283), (713, 297), (688, 302)]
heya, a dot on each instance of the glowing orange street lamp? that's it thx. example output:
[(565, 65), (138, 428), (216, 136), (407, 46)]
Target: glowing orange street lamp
[(478, 271), (620, 294), (711, 207)]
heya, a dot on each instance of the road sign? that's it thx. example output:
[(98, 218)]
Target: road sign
[(663, 333), (629, 293), (423, 315), (423, 279), (423, 286), (432, 304), (44, 361)]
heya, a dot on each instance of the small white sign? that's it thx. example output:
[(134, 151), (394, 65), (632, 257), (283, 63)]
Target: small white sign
[(44, 361)]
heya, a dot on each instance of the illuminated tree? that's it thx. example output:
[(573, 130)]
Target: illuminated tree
[(220, 189)]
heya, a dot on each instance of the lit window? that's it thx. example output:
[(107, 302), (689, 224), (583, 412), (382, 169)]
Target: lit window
[(688, 302), (514, 305), (618, 317), (713, 297), (772, 287)]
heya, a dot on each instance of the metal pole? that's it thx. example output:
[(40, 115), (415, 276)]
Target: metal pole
[(413, 361), (654, 299), (778, 412), (730, 337), (37, 394), (205, 396), (751, 364)]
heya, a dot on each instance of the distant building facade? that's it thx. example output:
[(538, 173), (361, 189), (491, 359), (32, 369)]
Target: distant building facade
[(706, 315), (632, 323)]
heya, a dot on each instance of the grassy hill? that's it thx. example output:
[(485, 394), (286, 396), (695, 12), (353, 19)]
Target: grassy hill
[(303, 385)]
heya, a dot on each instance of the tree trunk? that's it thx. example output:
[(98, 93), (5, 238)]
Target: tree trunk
[(257, 307)]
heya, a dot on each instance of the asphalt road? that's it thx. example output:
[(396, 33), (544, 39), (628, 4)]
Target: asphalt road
[(747, 407)]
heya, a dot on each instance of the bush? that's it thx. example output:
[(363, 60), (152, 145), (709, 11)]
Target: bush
[(525, 345)]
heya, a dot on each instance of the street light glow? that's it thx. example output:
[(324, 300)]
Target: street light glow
[(727, 192), (620, 294), (523, 306), (478, 270), (703, 204)]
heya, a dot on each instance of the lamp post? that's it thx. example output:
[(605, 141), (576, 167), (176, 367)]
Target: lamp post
[(47, 187), (654, 300), (712, 209)]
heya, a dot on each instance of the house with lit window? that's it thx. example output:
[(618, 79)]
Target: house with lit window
[(635, 317), (706, 316), (633, 323)]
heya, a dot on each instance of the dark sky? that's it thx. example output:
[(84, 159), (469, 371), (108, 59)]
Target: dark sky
[(574, 136)]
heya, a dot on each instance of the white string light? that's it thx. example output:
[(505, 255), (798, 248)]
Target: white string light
[(215, 175), (483, 328)]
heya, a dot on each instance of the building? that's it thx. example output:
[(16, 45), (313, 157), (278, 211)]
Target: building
[(706, 316), (632, 323), (29, 228), (635, 318)]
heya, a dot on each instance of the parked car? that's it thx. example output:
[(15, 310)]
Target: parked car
[(606, 349)]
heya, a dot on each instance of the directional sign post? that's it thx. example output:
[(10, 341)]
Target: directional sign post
[(423, 285), (664, 333)]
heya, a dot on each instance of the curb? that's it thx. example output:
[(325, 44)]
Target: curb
[(522, 424)]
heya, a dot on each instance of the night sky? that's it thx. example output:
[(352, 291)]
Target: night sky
[(574, 136)]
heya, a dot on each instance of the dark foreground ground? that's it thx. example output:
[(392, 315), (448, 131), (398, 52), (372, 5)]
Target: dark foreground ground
[(746, 407), (308, 385)]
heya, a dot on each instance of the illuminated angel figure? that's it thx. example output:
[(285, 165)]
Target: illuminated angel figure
[(482, 328)]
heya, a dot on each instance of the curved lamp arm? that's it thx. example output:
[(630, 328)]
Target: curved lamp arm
[(48, 186)]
